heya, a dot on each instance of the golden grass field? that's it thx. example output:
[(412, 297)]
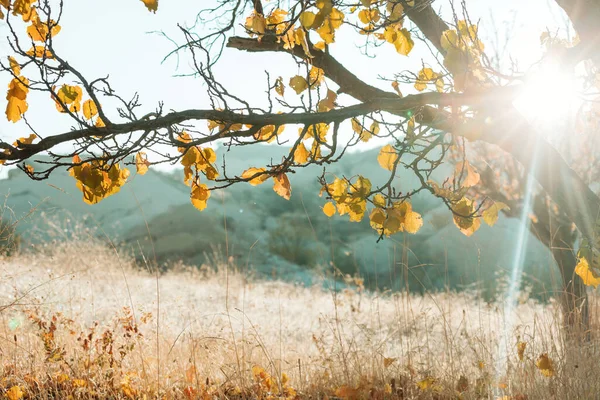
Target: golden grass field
[(81, 321)]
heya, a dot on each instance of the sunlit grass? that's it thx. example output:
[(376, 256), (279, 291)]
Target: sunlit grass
[(80, 320)]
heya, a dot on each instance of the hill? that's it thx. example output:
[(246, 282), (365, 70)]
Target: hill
[(273, 237)]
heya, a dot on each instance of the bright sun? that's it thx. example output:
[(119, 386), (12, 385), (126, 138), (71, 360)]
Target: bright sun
[(549, 96)]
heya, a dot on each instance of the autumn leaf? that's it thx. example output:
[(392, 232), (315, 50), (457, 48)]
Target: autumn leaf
[(299, 84), (14, 66), (328, 103), (89, 109), (141, 163), (338, 189), (329, 209), (17, 96), (585, 273), (379, 200), (367, 16), (70, 96), (301, 154), (464, 218), (256, 24), (426, 75), (40, 52), (199, 195), (39, 31), (331, 23), (426, 383), (490, 215), (15, 393), (282, 186), (387, 157), (470, 177), (250, 172), (545, 365), (396, 87), (279, 86), (151, 5), (307, 19), (521, 349), (20, 142)]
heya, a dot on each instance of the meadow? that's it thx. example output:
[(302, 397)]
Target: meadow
[(82, 319)]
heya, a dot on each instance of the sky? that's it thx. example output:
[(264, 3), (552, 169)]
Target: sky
[(121, 39)]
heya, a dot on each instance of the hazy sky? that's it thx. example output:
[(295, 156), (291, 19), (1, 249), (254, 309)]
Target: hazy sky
[(114, 37)]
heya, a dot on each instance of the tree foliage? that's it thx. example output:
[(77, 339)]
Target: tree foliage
[(460, 98)]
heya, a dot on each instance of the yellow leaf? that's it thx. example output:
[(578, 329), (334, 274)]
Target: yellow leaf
[(279, 86), (490, 216), (338, 189), (15, 393), (14, 66), (141, 163), (328, 103), (463, 216), (39, 31), (17, 96), (396, 87), (545, 365), (40, 52), (367, 16), (379, 200), (521, 349), (332, 22), (89, 109), (585, 273), (79, 382), (301, 154), (250, 172), (307, 19), (470, 177), (395, 10), (427, 383), (24, 141), (152, 5), (413, 222), (320, 45), (282, 186), (356, 126), (276, 20), (299, 84), (199, 195), (426, 75), (316, 76), (29, 169), (329, 209), (404, 43), (70, 96), (256, 24), (361, 188), (387, 157)]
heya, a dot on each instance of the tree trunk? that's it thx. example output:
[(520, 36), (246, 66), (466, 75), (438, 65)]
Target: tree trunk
[(574, 296)]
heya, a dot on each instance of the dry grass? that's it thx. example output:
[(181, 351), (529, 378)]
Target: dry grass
[(80, 320)]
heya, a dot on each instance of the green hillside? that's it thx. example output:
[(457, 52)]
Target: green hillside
[(272, 237)]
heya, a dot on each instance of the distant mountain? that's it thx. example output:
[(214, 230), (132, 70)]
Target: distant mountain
[(273, 237)]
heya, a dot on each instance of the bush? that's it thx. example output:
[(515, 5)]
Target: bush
[(9, 238), (293, 240)]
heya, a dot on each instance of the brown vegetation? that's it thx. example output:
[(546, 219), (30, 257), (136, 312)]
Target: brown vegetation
[(80, 320)]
